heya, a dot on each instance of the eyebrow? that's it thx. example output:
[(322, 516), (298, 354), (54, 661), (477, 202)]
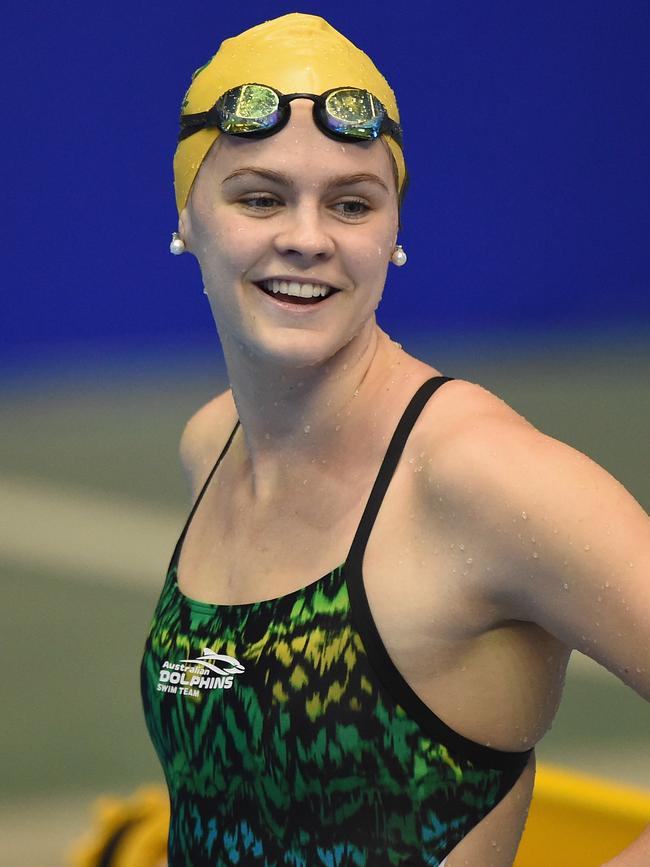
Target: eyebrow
[(278, 177)]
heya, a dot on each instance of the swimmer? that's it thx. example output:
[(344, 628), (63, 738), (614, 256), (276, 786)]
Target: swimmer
[(391, 565)]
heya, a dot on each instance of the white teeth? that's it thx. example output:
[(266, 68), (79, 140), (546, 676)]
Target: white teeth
[(301, 290)]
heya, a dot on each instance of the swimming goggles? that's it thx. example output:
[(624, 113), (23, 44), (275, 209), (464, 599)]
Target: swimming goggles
[(258, 110)]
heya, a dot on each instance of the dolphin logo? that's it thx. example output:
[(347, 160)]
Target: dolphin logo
[(235, 667)]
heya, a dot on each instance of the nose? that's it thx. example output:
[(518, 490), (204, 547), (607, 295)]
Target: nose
[(304, 234)]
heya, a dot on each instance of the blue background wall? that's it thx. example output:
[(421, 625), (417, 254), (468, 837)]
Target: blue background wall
[(526, 138)]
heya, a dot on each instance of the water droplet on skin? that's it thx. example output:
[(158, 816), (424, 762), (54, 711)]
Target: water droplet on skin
[(524, 515), (631, 565), (566, 586), (597, 623), (411, 460), (535, 555), (305, 482), (606, 584), (555, 530), (462, 547), (307, 428), (345, 367), (469, 560), (587, 547), (338, 427), (356, 393)]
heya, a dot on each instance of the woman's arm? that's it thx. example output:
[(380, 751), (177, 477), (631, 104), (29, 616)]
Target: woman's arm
[(635, 855), (576, 546)]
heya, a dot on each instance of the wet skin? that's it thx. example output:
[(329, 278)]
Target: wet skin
[(502, 538)]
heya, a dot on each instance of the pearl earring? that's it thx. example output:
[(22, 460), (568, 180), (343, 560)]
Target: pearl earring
[(177, 245), (399, 256)]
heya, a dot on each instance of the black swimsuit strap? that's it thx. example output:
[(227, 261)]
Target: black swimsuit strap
[(200, 496), (385, 474), (389, 465)]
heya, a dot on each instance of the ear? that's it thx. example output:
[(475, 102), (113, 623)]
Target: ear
[(185, 229)]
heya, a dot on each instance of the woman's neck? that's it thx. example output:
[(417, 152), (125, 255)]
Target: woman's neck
[(317, 414)]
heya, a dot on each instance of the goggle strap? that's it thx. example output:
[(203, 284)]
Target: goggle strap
[(191, 123)]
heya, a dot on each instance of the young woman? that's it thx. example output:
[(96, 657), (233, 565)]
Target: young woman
[(367, 618)]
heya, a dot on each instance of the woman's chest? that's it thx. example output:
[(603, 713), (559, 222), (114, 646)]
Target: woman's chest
[(421, 579), (417, 571)]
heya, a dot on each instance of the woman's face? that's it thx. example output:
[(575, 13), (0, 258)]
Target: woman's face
[(297, 206)]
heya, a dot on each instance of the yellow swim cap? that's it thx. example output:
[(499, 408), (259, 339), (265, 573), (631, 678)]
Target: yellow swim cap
[(295, 53)]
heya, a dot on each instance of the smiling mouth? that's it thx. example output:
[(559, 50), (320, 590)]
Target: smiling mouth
[(296, 292)]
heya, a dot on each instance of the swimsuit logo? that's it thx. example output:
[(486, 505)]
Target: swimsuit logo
[(201, 673)]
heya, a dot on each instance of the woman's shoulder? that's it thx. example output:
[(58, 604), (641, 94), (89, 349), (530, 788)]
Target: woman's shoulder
[(462, 407), (472, 434), (204, 436), (469, 406)]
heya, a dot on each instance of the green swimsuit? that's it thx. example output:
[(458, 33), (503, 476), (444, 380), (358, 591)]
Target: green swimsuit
[(288, 736)]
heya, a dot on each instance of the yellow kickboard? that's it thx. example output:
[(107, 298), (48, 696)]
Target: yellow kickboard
[(576, 820)]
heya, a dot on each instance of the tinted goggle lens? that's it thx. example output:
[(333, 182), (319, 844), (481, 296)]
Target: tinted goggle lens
[(353, 112), (247, 109), (252, 108)]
